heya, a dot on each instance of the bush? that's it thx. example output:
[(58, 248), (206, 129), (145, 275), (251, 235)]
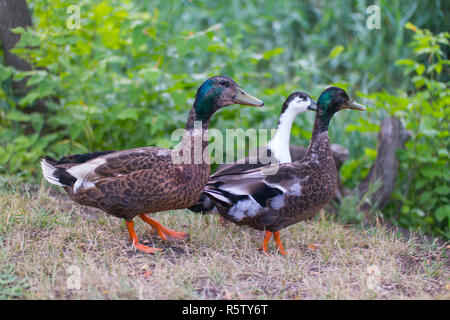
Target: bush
[(421, 196)]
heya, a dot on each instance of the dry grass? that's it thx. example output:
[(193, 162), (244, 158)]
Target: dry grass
[(41, 236)]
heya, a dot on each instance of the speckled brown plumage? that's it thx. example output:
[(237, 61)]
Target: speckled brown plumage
[(295, 192)]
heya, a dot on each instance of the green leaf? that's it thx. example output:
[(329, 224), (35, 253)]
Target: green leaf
[(45, 140), (410, 26), (420, 184), (426, 197), (442, 213), (76, 129), (418, 211), (336, 52), (179, 98), (405, 209), (128, 114), (443, 153), (420, 68), (272, 53), (18, 30), (150, 74), (29, 98), (138, 36), (370, 153), (405, 62), (430, 132), (18, 116), (103, 9), (443, 190), (37, 77), (430, 172), (5, 72), (45, 88), (37, 121), (216, 47)]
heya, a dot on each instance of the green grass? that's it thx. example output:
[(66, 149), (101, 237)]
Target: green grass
[(42, 234)]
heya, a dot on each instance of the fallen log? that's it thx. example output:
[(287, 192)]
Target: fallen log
[(392, 136)]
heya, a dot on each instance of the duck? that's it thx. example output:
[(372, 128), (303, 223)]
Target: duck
[(277, 150), (140, 181), (273, 197)]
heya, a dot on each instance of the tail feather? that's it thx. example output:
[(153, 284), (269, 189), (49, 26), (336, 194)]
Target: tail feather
[(55, 175), (48, 171), (223, 197)]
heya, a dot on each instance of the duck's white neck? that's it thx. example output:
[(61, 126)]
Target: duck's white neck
[(279, 144)]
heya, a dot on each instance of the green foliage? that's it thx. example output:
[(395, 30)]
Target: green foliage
[(421, 197), (127, 77)]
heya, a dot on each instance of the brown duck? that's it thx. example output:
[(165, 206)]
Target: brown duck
[(139, 181), (278, 150), (272, 198)]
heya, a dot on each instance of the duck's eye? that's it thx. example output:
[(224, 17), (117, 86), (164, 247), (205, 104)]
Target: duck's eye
[(224, 83)]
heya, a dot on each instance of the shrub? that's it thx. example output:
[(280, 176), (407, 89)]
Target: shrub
[(421, 196)]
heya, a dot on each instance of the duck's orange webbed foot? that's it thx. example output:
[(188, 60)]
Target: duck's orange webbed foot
[(280, 247), (135, 242), (164, 233), (263, 247), (276, 235)]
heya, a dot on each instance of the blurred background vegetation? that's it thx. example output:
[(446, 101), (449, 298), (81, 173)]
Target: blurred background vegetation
[(128, 76)]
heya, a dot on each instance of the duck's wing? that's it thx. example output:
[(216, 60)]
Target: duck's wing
[(85, 169), (255, 197), (261, 158), (132, 160), (257, 189)]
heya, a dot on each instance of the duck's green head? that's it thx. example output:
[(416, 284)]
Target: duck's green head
[(218, 92), (331, 101)]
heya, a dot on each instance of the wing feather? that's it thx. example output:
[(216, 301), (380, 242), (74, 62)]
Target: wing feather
[(84, 170)]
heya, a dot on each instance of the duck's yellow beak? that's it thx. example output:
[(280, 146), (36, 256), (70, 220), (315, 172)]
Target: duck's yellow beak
[(244, 98), (355, 106)]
